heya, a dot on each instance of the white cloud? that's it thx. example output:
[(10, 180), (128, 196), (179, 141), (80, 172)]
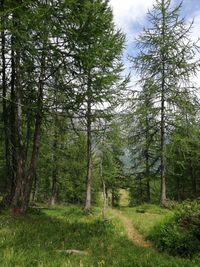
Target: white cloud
[(130, 16), (128, 12), (195, 36)]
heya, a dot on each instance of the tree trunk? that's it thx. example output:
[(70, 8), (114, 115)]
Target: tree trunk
[(113, 200), (54, 172), (178, 198), (34, 188), (20, 149), (107, 199), (8, 192), (89, 160), (147, 171), (11, 186), (37, 136), (163, 196), (104, 201), (25, 178)]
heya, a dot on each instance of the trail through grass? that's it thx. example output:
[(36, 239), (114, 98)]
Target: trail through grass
[(132, 234), (41, 238)]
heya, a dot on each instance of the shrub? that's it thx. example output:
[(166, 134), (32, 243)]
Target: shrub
[(179, 234)]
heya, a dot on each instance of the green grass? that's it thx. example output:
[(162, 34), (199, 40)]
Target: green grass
[(39, 239), (144, 222)]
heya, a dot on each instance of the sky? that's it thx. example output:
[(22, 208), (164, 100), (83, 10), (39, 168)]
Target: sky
[(131, 17)]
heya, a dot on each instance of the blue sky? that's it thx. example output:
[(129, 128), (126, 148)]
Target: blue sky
[(130, 16)]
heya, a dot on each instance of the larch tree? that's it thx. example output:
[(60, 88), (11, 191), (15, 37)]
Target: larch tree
[(166, 57), (143, 143), (98, 49), (31, 56)]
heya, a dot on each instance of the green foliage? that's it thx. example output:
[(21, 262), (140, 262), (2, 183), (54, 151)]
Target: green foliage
[(70, 163), (109, 153), (179, 234), (183, 159), (166, 62), (143, 145)]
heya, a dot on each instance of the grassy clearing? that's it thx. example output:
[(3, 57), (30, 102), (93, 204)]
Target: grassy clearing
[(40, 240), (144, 217)]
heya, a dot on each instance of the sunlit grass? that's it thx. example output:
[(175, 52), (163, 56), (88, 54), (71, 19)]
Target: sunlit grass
[(41, 240), (145, 220)]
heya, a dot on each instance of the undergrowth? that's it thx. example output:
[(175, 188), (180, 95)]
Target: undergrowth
[(179, 234)]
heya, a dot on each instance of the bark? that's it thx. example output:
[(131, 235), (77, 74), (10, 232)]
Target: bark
[(147, 168), (20, 151), (105, 193), (89, 156), (113, 199), (28, 135), (7, 198), (148, 190), (34, 188), (37, 135), (163, 196), (54, 172), (17, 126), (104, 201), (25, 178), (10, 126), (107, 199)]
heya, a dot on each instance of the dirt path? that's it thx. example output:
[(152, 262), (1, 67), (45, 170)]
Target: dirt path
[(131, 232)]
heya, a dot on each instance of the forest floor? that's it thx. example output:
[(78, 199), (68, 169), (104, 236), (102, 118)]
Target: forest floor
[(132, 234), (66, 236)]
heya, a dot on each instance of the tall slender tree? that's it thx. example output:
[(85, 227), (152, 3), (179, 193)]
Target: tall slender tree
[(167, 57), (98, 57), (143, 143)]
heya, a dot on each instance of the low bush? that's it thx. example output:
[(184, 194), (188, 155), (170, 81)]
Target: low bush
[(179, 234)]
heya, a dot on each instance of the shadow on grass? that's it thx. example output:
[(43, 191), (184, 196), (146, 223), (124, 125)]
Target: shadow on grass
[(36, 240)]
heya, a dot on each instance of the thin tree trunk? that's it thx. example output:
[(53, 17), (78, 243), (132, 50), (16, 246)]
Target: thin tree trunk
[(147, 172), (34, 188), (141, 189), (55, 150), (12, 117), (107, 199), (89, 159), (113, 198), (148, 190), (178, 198), (12, 129), (7, 198), (54, 172), (163, 196), (104, 191), (37, 135), (20, 149), (104, 201)]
